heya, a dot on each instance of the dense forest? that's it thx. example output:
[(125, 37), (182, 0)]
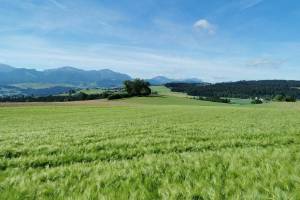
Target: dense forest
[(241, 89)]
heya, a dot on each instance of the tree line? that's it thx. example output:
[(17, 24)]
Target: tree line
[(213, 99), (137, 87), (55, 98), (267, 89)]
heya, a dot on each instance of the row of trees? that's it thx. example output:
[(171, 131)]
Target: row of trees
[(55, 98), (282, 97), (137, 87), (214, 99)]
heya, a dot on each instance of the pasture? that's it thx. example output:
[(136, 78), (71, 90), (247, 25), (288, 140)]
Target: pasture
[(165, 147)]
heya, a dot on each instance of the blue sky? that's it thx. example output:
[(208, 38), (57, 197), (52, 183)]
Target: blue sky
[(216, 40)]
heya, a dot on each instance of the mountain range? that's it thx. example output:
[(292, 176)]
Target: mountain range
[(73, 76), (64, 75)]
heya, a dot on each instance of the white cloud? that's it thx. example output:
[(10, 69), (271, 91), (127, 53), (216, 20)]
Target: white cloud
[(204, 25)]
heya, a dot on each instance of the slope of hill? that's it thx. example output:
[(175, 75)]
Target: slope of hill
[(65, 75)]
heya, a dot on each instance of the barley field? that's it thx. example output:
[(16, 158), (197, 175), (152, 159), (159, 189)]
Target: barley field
[(165, 147)]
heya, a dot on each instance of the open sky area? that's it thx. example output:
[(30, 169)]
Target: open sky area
[(217, 40)]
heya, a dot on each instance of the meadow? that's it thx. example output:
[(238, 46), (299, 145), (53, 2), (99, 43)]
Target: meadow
[(164, 147)]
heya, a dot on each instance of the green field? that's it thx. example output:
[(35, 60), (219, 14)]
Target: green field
[(167, 92), (165, 147), (92, 91)]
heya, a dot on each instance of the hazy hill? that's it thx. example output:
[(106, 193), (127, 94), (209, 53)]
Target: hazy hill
[(64, 75), (161, 80)]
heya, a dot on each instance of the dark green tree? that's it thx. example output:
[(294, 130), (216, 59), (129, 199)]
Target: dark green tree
[(280, 97), (137, 87), (290, 99)]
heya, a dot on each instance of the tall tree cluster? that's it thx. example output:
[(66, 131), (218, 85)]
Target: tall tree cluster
[(137, 87)]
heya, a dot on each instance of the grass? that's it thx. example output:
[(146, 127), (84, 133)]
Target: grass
[(162, 90), (167, 147), (240, 101), (92, 91)]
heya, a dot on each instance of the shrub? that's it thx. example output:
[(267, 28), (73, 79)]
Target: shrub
[(118, 96), (279, 97), (82, 96), (290, 99), (256, 101), (214, 99), (282, 97), (106, 94)]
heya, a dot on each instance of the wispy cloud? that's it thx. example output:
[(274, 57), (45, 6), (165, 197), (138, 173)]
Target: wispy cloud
[(247, 4), (204, 25), (58, 4), (265, 63)]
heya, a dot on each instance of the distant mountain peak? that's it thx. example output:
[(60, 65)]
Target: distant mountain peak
[(161, 77), (192, 80), (68, 68), (159, 80), (106, 69), (5, 68), (64, 68)]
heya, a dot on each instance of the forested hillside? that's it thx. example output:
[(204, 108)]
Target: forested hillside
[(240, 89)]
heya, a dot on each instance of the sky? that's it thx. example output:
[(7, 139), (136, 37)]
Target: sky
[(213, 40)]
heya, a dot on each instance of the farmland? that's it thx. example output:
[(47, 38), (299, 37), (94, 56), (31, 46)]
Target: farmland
[(164, 147)]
